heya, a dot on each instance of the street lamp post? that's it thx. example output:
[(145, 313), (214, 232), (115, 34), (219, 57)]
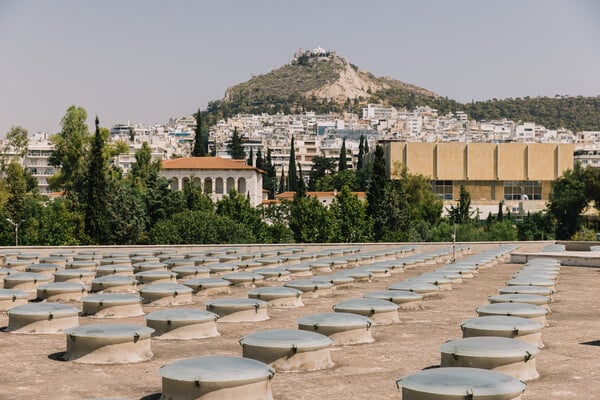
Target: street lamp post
[(16, 225)]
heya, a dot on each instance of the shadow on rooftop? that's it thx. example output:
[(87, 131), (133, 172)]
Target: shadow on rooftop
[(592, 343)]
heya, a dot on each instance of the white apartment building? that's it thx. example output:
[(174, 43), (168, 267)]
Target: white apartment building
[(36, 160)]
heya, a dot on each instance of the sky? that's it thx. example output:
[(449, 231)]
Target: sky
[(145, 61)]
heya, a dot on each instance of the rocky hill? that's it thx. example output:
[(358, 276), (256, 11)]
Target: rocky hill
[(322, 81), (322, 74)]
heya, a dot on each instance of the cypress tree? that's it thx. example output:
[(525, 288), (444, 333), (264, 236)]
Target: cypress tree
[(376, 192), (260, 163), (199, 150), (236, 149), (343, 159), (282, 187), (300, 186), (361, 152), (251, 158), (292, 173), (366, 146), (96, 207), (271, 182)]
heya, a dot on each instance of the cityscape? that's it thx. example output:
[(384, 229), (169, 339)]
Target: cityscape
[(299, 200)]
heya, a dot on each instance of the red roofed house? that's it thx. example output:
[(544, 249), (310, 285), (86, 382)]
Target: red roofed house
[(215, 176)]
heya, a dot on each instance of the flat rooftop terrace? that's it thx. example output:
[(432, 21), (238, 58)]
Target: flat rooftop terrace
[(569, 364)]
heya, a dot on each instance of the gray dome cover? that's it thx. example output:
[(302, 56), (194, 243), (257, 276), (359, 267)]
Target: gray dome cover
[(335, 319), (206, 283), (114, 331), (44, 309), (395, 296), (112, 298), (414, 286), (489, 346), (287, 339), (218, 369), (8, 294), (513, 309), (526, 289), (372, 305), (271, 293), (503, 323), (458, 381), (519, 298), (182, 314), (166, 288)]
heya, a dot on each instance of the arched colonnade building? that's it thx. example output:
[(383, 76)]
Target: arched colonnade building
[(215, 176)]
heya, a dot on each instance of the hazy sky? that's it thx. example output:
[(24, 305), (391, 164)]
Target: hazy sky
[(145, 61)]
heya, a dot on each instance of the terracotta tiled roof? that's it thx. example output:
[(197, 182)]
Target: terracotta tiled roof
[(206, 163), (290, 195)]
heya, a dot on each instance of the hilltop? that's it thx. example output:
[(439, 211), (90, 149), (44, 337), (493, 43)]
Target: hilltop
[(322, 74), (323, 81)]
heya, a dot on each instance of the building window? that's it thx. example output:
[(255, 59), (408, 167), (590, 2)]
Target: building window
[(522, 190), (442, 189)]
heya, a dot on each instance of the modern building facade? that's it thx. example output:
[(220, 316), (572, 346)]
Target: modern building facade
[(215, 176), (521, 174)]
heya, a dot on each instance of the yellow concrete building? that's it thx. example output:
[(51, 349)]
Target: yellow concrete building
[(519, 173)]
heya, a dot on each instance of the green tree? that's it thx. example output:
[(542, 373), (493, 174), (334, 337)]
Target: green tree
[(16, 142), (567, 202), (423, 203), (250, 160), (502, 230), (199, 227), (461, 213), (343, 159), (376, 193), (396, 219), (260, 162), (96, 205), (16, 185), (310, 221), (194, 199), (60, 225), (143, 165), (270, 179), (125, 214), (70, 151), (361, 153), (351, 222), (236, 148), (321, 166), (200, 148), (292, 176), (237, 207)]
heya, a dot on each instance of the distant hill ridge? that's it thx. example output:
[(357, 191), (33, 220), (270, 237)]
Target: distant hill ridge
[(322, 81)]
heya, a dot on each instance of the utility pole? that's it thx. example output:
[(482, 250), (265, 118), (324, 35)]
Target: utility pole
[(16, 225)]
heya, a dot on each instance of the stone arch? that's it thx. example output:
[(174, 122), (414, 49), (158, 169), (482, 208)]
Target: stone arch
[(174, 183), (208, 186), (197, 182), (230, 184), (242, 185), (184, 182), (219, 186)]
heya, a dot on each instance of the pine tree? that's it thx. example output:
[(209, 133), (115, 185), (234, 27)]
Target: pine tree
[(292, 173), (96, 207), (199, 149), (251, 158), (236, 149), (361, 153), (343, 159)]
